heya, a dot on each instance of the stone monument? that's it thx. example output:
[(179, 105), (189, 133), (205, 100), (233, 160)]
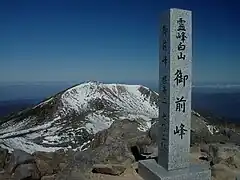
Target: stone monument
[(174, 124)]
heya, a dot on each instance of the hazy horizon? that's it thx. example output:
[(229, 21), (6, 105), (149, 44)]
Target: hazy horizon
[(42, 90), (210, 99)]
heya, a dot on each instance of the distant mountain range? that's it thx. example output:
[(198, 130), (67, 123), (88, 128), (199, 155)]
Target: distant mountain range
[(218, 86), (41, 90), (221, 103)]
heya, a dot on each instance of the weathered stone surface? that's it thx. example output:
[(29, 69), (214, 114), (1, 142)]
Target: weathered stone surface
[(26, 171), (222, 172), (194, 149), (234, 137), (199, 131), (149, 169), (3, 157), (173, 129), (50, 177), (152, 132), (62, 166), (54, 160), (135, 165), (112, 169), (19, 157), (111, 146), (227, 152), (204, 147), (43, 167), (146, 149), (115, 143), (175, 107), (214, 156), (44, 155), (218, 153), (198, 124), (6, 177)]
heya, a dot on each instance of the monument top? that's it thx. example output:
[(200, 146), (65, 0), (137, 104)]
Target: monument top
[(180, 9)]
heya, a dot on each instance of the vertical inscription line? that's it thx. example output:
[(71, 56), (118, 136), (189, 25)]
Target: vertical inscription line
[(164, 80)]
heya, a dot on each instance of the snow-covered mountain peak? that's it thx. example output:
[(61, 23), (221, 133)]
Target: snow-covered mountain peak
[(71, 117), (127, 97), (99, 89)]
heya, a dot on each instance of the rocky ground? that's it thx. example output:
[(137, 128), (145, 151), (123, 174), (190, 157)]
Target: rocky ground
[(114, 154)]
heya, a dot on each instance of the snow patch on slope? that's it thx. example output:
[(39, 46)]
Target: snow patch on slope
[(126, 97), (145, 121), (97, 122), (25, 145), (12, 138), (10, 127), (125, 101), (12, 132), (212, 129)]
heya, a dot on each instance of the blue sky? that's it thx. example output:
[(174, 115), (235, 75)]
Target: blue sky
[(113, 40)]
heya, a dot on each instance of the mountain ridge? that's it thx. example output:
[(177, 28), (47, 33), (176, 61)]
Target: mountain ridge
[(71, 117)]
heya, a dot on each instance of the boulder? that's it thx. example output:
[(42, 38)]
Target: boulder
[(197, 137), (47, 156), (26, 171), (111, 169), (233, 162), (195, 149), (135, 166), (217, 138), (78, 175), (204, 147), (51, 159), (5, 177), (19, 157), (152, 132), (214, 155), (75, 173), (234, 138), (218, 153), (62, 166), (43, 167), (111, 146), (227, 132), (222, 172), (3, 157), (51, 177), (114, 145)]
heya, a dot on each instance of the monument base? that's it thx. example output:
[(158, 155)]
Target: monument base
[(150, 170)]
